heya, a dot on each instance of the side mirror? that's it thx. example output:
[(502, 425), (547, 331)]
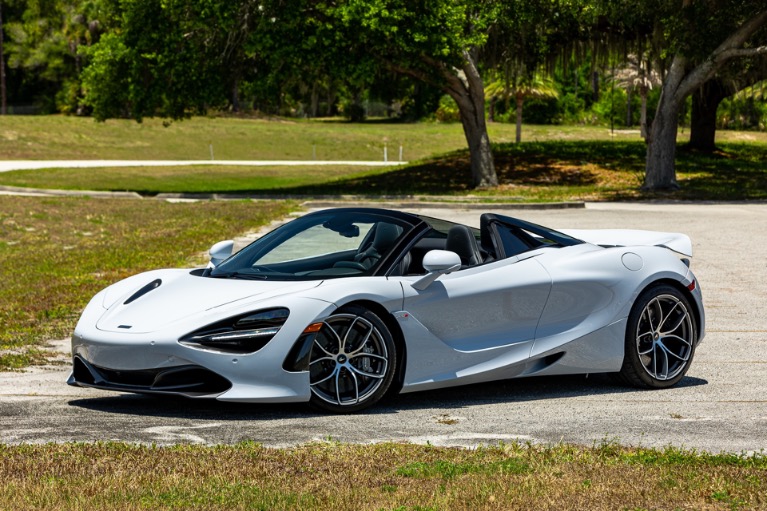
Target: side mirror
[(220, 251), (436, 263)]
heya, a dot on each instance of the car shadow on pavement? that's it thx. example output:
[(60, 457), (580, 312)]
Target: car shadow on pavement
[(523, 390), (504, 391)]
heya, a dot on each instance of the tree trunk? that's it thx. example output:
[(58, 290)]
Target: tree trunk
[(629, 120), (236, 96), (520, 101), (491, 110), (3, 103), (643, 113), (595, 86), (705, 102), (468, 92), (660, 172), (466, 88), (480, 153), (314, 105)]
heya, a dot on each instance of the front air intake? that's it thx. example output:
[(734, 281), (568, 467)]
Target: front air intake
[(144, 290), (188, 380)]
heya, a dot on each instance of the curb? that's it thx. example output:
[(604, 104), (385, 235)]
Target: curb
[(322, 201), (415, 204), (43, 192)]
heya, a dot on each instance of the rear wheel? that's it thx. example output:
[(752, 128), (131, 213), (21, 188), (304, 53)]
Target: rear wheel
[(353, 361), (660, 339)]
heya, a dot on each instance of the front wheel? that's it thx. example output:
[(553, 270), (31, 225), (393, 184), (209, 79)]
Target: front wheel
[(353, 361), (660, 339)]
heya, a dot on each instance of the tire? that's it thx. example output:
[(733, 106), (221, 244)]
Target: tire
[(353, 361), (660, 339)]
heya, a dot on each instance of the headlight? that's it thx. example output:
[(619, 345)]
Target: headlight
[(241, 334)]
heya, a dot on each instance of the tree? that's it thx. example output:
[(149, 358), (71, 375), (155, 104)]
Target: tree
[(173, 58), (535, 87), (638, 76), (703, 42), (449, 43), (44, 44), (176, 57), (706, 100), (435, 42), (3, 99)]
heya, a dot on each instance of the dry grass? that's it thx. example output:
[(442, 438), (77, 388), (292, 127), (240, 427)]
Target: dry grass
[(383, 476), (57, 253)]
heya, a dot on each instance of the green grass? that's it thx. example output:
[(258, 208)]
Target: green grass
[(384, 476), (62, 137), (554, 163), (57, 253), (184, 179), (593, 170)]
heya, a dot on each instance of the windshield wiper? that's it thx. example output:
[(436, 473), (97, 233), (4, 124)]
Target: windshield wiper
[(240, 275)]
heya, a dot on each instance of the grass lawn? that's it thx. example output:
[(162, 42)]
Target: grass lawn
[(74, 138), (592, 170), (57, 253), (554, 163), (190, 179), (375, 477), (62, 137)]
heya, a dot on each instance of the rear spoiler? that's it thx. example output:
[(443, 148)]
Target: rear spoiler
[(674, 241)]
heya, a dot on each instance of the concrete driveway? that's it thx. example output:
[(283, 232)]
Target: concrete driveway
[(720, 406)]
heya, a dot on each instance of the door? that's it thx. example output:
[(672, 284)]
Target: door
[(473, 324)]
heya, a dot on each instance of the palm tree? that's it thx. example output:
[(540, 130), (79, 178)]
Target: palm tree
[(536, 86), (637, 76)]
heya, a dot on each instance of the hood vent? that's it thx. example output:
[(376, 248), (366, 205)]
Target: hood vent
[(144, 290)]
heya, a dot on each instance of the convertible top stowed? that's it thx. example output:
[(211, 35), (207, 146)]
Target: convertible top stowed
[(342, 306)]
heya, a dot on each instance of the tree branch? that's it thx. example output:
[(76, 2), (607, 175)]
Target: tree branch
[(455, 87), (744, 52), (739, 37), (474, 79), (451, 84), (729, 49)]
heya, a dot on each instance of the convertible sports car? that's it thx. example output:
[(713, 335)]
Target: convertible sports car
[(343, 306)]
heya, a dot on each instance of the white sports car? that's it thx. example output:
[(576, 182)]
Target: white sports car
[(343, 306)]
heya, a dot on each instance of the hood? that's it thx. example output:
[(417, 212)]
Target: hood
[(673, 241), (180, 295)]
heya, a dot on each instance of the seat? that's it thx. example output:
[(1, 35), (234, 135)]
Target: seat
[(384, 237), (461, 240)]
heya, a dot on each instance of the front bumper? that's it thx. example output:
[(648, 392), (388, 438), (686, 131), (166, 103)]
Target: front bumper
[(188, 380), (156, 363)]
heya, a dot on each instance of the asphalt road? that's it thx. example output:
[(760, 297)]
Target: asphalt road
[(720, 406)]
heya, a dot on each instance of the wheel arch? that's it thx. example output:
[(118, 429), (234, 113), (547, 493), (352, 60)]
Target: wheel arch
[(686, 293), (397, 335)]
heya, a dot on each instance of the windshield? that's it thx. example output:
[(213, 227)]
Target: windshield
[(318, 246)]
